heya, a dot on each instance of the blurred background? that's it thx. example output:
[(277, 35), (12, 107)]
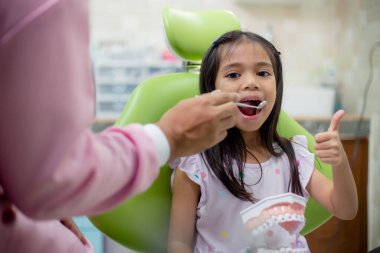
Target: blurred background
[(330, 61)]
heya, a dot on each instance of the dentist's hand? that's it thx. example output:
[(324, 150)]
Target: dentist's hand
[(196, 124), (70, 224), (328, 146)]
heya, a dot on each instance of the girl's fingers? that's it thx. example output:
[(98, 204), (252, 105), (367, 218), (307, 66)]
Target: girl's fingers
[(327, 153)]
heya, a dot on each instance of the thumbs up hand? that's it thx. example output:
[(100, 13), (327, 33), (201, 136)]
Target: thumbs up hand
[(328, 146)]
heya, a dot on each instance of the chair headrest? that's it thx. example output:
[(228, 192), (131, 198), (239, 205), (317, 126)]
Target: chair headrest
[(190, 33)]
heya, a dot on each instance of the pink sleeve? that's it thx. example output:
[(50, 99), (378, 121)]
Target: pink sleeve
[(51, 164), (27, 235)]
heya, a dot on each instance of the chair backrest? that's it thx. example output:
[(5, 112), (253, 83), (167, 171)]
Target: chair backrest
[(141, 222), (190, 33)]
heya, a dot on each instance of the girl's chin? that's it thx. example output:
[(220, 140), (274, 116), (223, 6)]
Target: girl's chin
[(248, 127)]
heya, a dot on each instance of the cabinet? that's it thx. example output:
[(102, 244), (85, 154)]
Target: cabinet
[(116, 79), (338, 236)]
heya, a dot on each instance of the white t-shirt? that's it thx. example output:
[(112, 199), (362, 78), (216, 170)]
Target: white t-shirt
[(219, 226)]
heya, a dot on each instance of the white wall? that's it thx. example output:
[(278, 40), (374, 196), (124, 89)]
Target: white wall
[(304, 33), (360, 31)]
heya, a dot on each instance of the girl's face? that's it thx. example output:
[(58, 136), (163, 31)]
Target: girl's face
[(246, 68)]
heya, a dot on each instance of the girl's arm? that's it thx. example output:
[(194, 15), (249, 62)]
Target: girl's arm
[(186, 195), (339, 197)]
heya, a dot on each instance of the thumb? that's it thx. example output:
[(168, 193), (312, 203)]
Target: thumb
[(335, 121)]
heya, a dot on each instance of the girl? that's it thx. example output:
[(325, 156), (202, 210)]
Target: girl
[(253, 162)]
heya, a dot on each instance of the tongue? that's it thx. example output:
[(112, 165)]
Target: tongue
[(248, 111)]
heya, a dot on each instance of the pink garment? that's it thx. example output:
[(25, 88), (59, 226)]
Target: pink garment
[(51, 164), (49, 236), (219, 226)]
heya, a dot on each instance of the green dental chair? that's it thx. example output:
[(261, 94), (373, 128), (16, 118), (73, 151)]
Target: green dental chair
[(141, 222)]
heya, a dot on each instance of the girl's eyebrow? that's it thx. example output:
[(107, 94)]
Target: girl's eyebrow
[(237, 64), (231, 65), (264, 64)]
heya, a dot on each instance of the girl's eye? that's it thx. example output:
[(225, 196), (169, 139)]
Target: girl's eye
[(233, 75), (264, 73)]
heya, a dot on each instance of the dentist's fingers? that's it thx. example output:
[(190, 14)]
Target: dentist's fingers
[(218, 97), (70, 224), (196, 124), (227, 122), (226, 110)]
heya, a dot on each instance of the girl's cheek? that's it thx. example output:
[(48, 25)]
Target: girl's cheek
[(226, 87), (221, 87)]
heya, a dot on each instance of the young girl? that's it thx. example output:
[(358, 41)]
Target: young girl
[(253, 162)]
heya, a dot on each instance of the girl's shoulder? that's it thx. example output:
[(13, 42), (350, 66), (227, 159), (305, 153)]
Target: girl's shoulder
[(195, 169), (189, 164), (191, 161), (305, 158), (299, 142), (185, 161), (300, 145)]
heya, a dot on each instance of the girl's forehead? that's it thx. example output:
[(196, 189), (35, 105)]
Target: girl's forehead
[(242, 48), (243, 52)]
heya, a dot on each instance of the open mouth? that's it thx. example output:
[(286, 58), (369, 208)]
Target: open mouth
[(250, 111)]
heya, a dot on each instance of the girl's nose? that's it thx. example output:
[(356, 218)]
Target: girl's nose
[(250, 84)]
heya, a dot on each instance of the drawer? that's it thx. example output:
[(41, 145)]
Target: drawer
[(115, 89), (158, 70), (110, 106), (119, 71)]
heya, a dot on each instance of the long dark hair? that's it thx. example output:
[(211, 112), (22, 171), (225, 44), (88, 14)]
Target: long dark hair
[(221, 158)]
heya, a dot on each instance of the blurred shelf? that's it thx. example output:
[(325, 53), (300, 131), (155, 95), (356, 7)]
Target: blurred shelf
[(348, 127), (116, 78), (280, 3)]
